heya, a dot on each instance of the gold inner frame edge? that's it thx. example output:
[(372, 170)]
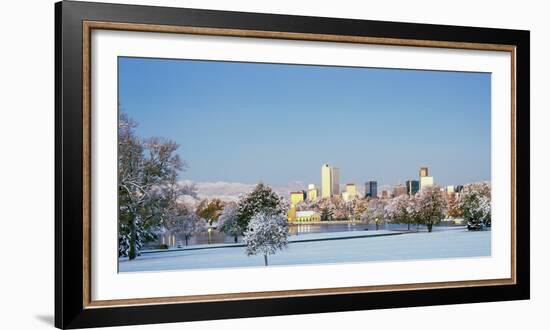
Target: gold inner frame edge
[(88, 26)]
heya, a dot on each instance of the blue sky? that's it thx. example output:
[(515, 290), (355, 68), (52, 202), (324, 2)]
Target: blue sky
[(250, 122)]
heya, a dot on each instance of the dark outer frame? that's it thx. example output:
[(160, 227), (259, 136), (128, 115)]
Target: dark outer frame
[(70, 310)]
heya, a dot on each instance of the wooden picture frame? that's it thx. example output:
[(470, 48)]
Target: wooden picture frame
[(74, 307)]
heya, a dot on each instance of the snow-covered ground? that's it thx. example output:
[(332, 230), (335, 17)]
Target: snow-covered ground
[(409, 246)]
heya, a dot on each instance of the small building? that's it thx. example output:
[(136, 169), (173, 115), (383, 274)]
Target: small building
[(312, 192), (305, 216), (291, 216), (350, 193), (297, 197)]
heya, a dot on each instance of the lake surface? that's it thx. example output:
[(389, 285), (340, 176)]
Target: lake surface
[(215, 237)]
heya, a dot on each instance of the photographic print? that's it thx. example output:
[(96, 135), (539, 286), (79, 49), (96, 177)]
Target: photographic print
[(314, 164), (237, 164)]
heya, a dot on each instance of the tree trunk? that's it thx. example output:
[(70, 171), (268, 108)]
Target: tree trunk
[(132, 252), (236, 238), (265, 259), (186, 240), (429, 227), (408, 226)]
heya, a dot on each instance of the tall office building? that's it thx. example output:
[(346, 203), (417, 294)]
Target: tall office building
[(371, 189), (412, 186), (330, 181), (312, 192), (425, 180), (423, 172), (326, 182), (335, 177)]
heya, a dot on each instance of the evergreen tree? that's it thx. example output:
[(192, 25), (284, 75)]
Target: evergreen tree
[(261, 200)]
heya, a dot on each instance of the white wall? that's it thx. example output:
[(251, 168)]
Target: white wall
[(26, 163)]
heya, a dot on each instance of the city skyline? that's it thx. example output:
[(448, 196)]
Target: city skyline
[(331, 187), (273, 123)]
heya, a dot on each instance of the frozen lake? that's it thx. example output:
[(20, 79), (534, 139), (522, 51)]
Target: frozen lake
[(452, 243)]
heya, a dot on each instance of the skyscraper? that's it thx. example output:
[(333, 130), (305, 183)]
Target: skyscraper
[(425, 180), (330, 181), (335, 178), (371, 189), (326, 181), (412, 186)]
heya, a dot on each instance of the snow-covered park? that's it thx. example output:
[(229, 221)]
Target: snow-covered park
[(321, 248)]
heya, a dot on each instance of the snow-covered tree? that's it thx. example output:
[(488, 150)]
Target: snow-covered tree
[(429, 206), (266, 234), (261, 200), (184, 222), (376, 212), (307, 205), (340, 209), (147, 189), (475, 203), (326, 213), (228, 221), (400, 210), (144, 166)]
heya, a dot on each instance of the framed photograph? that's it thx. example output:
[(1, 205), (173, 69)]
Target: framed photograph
[(214, 164)]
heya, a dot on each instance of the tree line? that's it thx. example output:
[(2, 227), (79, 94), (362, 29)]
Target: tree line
[(151, 202), (426, 207)]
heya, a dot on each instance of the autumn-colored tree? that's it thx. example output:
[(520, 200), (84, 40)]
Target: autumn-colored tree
[(210, 210), (429, 206), (453, 209)]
